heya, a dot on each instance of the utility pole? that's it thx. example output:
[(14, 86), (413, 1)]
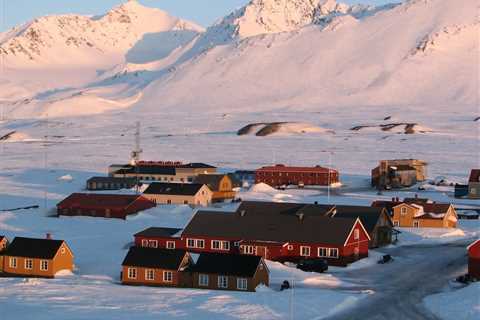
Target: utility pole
[(135, 155)]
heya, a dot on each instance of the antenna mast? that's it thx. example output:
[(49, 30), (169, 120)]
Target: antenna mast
[(135, 155)]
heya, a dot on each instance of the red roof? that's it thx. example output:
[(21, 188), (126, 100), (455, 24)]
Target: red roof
[(474, 175), (99, 201), (283, 168)]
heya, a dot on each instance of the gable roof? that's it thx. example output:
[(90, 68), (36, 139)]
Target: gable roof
[(369, 216), (96, 200), (34, 248), (211, 180), (284, 168), (474, 175), (270, 226), (186, 189), (158, 232), (154, 258), (112, 180), (2, 238), (227, 264)]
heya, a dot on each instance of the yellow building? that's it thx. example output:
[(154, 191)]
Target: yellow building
[(220, 184), (179, 193), (424, 215), (3, 247)]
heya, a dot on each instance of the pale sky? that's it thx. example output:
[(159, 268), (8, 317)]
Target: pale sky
[(203, 12)]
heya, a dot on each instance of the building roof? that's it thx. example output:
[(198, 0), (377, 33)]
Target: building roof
[(416, 200), (34, 248), (283, 168), (184, 189), (158, 232), (369, 216), (197, 165), (227, 264), (163, 170), (474, 175), (2, 237), (154, 258), (96, 201), (271, 225), (474, 244), (111, 180), (211, 180), (402, 167)]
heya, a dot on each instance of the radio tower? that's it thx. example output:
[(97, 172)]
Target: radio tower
[(135, 155)]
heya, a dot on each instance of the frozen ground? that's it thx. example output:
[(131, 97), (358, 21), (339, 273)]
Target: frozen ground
[(456, 303)]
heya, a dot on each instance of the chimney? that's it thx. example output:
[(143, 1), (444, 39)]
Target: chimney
[(316, 202), (300, 216), (393, 199), (48, 236)]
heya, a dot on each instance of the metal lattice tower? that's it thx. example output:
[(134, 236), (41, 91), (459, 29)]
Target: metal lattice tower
[(135, 155)]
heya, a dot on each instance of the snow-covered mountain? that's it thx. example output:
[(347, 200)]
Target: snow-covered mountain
[(270, 54), (63, 39)]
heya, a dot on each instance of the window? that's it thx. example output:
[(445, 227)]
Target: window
[(196, 243), (132, 273), (322, 252), (333, 253), (304, 251), (150, 274), (222, 281), (43, 265), (247, 249), (290, 247), (144, 243), (473, 190), (167, 276), (169, 201), (242, 284), (13, 262), (62, 251), (153, 243), (170, 244), (403, 211), (220, 245), (28, 264), (185, 202), (356, 234), (203, 280), (216, 244), (416, 224), (396, 223)]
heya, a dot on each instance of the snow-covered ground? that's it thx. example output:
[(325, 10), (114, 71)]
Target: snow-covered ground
[(456, 303)]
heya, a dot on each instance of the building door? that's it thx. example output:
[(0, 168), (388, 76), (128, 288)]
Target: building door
[(261, 251)]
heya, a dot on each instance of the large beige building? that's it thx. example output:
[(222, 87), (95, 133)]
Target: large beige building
[(399, 173), (179, 193), (161, 171)]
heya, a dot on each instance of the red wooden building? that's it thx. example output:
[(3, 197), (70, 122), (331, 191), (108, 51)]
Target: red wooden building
[(280, 235), (280, 175), (103, 205), (474, 259)]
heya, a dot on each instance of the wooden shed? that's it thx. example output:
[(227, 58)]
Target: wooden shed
[(228, 272), (474, 259), (37, 257), (103, 205), (221, 185), (156, 267)]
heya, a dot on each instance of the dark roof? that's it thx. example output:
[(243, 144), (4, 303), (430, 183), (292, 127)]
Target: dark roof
[(385, 204), (402, 167), (197, 165), (264, 224), (368, 215), (227, 264), (170, 171), (474, 175), (416, 200), (211, 180), (97, 200), (154, 258), (112, 179), (284, 168), (189, 189), (34, 248), (158, 232)]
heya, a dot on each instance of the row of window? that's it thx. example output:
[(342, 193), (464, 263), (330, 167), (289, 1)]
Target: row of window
[(306, 174), (222, 282), (152, 178), (416, 224), (154, 244), (150, 275), (305, 251), (215, 244), (28, 264)]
